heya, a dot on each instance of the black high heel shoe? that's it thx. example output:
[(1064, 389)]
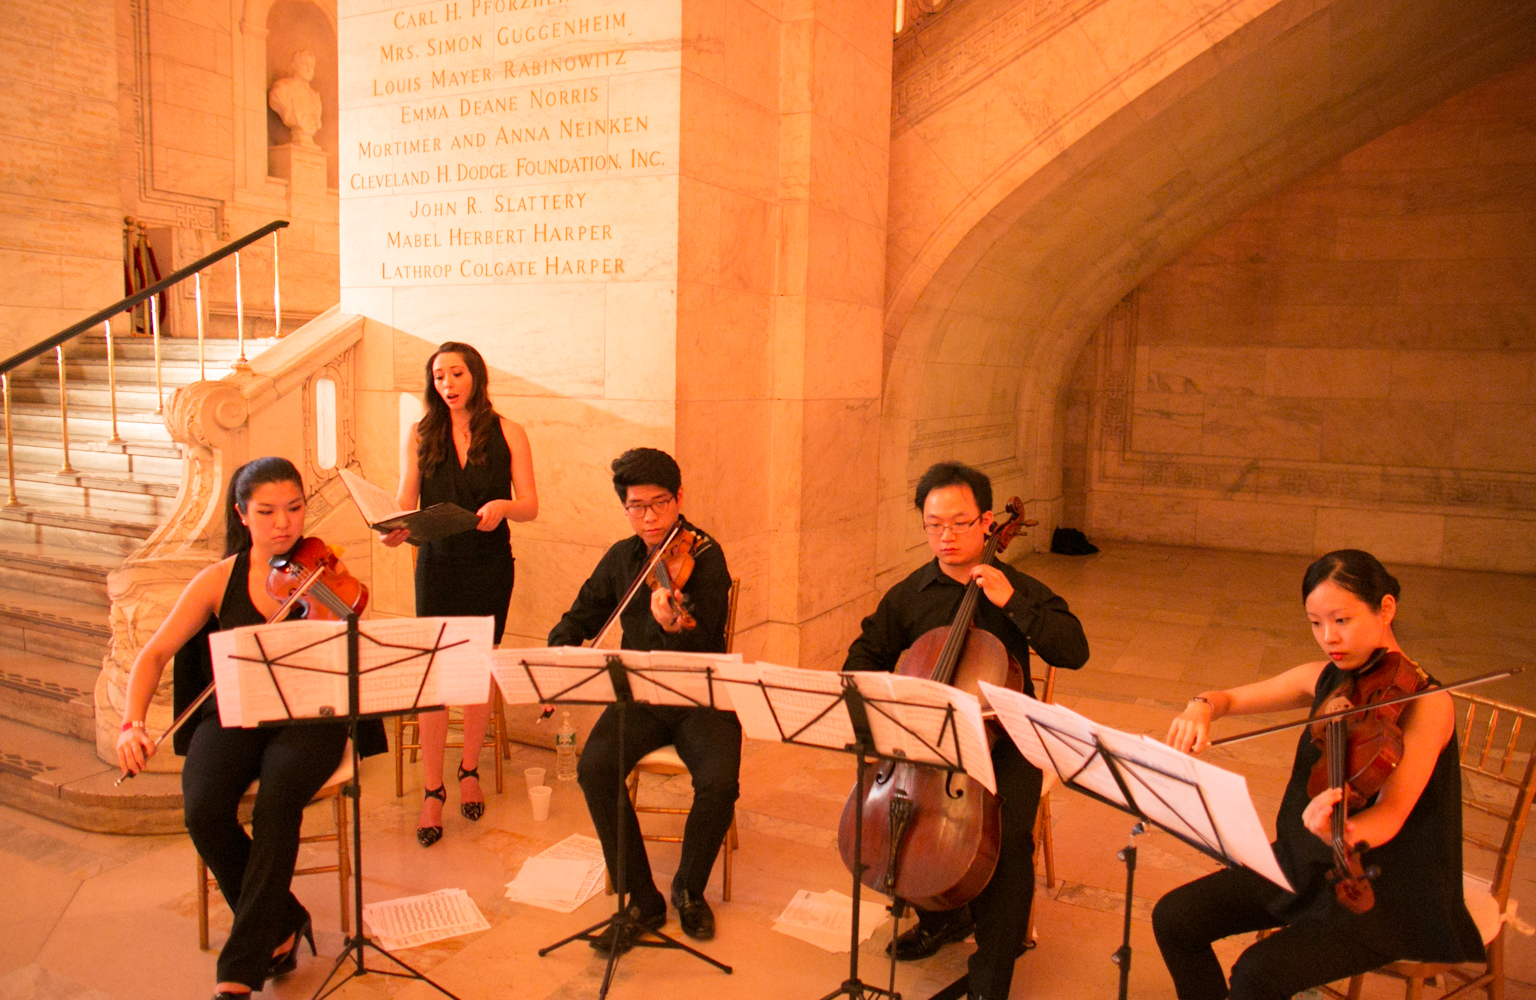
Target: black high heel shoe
[(471, 811), (426, 836), (289, 960)]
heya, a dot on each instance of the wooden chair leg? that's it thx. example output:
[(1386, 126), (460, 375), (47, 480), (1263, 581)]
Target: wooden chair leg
[(343, 861), (1356, 987), (1415, 989), (728, 848), (399, 756), (202, 904), (504, 741), (496, 731), (1047, 846)]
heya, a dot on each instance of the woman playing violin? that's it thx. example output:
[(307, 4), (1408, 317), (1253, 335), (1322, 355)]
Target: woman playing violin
[(264, 517), (1410, 830)]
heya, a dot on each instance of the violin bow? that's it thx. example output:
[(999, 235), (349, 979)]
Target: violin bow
[(1358, 709), (310, 583), (638, 581)]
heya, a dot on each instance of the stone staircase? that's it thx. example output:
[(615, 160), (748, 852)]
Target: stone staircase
[(56, 548)]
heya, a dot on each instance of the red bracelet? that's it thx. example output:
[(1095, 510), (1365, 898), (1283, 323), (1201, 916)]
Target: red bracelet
[(130, 725)]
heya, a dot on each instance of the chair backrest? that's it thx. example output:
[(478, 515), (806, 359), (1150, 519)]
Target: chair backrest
[(730, 614), (1045, 684), (1498, 772)]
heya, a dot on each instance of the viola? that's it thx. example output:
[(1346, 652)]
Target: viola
[(671, 571), (932, 837), (298, 575), (1360, 752)]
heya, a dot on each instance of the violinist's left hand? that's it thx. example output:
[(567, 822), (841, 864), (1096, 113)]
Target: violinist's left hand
[(993, 583), (662, 609), (492, 514), (1318, 816)]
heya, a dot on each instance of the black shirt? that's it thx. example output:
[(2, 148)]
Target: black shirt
[(707, 595), (928, 599)]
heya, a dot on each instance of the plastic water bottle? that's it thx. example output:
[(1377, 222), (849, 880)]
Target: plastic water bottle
[(565, 748)]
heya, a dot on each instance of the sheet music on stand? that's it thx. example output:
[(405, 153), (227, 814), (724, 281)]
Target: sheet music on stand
[(1201, 804), (298, 669), (580, 674), (910, 718)]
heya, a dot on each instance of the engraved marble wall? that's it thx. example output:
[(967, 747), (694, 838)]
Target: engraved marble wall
[(1350, 363)]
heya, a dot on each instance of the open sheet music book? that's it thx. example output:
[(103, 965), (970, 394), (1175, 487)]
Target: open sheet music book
[(911, 717), (298, 669), (383, 515), (1204, 805), (580, 674)]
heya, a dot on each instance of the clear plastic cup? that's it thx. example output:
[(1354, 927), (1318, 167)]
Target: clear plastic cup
[(534, 776)]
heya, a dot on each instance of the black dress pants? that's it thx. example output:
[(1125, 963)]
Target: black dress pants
[(1301, 955), (253, 872), (709, 743), (1001, 910)]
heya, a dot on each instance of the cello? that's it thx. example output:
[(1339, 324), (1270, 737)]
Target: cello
[(931, 837)]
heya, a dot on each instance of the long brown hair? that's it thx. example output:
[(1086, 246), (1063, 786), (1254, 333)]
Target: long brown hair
[(434, 433)]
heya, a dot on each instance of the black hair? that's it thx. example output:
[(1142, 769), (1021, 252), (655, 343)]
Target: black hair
[(434, 433), (955, 474), (646, 467), (1360, 573), (256, 472)]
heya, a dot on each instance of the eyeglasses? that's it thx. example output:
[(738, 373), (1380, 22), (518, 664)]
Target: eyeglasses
[(958, 528), (657, 507)]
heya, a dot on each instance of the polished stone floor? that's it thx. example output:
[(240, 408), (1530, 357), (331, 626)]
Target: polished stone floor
[(95, 917)]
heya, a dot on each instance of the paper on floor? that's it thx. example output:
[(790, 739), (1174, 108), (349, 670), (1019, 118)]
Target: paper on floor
[(411, 921), (824, 919), (561, 877)]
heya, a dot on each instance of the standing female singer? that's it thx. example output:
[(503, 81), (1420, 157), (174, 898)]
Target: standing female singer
[(463, 452), (264, 517), (1412, 827)]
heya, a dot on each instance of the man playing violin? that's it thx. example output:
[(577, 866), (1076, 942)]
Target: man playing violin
[(1410, 830), (649, 485), (956, 505)]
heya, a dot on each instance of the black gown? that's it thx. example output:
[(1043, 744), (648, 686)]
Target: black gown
[(469, 573)]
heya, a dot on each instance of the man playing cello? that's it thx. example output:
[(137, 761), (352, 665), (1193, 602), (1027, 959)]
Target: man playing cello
[(956, 505)]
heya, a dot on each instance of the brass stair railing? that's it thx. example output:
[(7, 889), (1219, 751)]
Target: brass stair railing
[(103, 317)]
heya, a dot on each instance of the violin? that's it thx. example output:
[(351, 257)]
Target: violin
[(932, 837), (670, 573), (310, 576), (1360, 752)]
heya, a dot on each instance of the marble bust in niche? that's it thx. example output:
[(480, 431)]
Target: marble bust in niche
[(296, 102)]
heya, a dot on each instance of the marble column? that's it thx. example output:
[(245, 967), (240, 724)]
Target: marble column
[(709, 179)]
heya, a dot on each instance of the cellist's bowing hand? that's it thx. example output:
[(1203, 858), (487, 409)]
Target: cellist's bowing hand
[(663, 608), (993, 583), (1318, 816), (1190, 731)]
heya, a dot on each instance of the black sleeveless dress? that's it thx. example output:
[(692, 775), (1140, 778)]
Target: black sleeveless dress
[(192, 671), (469, 573), (1419, 911)]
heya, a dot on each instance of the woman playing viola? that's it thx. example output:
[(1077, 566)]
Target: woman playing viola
[(463, 452), (1411, 830), (264, 517)]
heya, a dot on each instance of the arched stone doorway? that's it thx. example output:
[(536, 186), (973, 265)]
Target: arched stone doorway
[(1028, 201)]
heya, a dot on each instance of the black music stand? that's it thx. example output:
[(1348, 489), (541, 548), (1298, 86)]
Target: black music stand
[(354, 946), (585, 686), (1143, 791), (820, 726)]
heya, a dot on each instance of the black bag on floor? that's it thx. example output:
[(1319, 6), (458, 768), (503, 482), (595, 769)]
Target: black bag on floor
[(1071, 542)]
